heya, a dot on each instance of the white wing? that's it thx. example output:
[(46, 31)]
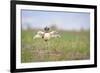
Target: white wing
[(53, 32), (39, 34), (56, 36)]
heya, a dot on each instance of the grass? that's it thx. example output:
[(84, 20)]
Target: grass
[(71, 46)]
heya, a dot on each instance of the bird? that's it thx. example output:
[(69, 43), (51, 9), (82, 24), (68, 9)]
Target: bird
[(46, 35)]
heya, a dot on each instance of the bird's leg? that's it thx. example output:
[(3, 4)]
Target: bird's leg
[(47, 49)]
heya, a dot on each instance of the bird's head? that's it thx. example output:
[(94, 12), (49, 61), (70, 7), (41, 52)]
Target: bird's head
[(46, 29)]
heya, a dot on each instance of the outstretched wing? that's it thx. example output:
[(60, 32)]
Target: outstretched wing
[(54, 34), (39, 35)]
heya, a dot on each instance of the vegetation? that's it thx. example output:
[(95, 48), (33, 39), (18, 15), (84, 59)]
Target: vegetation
[(73, 45)]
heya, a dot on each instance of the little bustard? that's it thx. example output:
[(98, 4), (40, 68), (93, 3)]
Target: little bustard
[(46, 35)]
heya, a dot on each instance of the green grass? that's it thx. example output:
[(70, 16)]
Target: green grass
[(71, 46)]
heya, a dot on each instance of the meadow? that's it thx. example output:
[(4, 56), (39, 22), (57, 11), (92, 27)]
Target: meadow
[(73, 45)]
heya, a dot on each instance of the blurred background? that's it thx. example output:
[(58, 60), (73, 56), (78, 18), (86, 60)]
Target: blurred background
[(73, 27)]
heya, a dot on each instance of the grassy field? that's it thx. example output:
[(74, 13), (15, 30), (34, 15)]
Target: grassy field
[(71, 46)]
